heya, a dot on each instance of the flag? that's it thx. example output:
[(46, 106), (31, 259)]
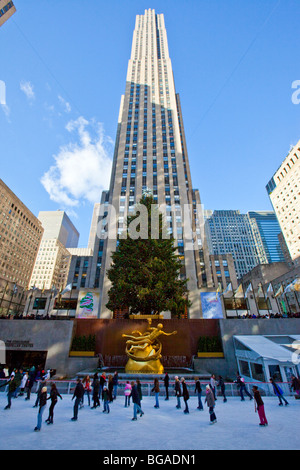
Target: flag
[(293, 286), (228, 290), (280, 291), (68, 288), (239, 292), (15, 289), (297, 284), (249, 290), (43, 289), (33, 288), (219, 290), (260, 292), (270, 289)]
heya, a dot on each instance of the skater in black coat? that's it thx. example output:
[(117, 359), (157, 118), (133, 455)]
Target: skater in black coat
[(53, 397), (185, 395), (96, 388), (78, 394)]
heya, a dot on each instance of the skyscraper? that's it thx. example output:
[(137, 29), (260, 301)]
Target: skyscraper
[(266, 229), (151, 154), (7, 9), (283, 190)]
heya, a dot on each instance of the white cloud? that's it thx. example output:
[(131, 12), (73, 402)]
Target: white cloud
[(65, 104), (81, 170), (27, 88)]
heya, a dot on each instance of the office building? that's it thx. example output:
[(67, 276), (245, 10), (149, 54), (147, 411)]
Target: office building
[(7, 9), (20, 236), (151, 155), (266, 230), (284, 192), (229, 231), (52, 264)]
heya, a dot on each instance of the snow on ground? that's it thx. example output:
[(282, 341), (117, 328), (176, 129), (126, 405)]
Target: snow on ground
[(165, 428)]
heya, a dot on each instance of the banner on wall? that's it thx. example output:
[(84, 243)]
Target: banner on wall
[(211, 305), (88, 303)]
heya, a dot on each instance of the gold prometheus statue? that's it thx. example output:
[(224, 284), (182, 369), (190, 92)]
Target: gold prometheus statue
[(144, 350)]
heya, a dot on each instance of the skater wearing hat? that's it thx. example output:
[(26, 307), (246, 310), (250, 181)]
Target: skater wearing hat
[(210, 400)]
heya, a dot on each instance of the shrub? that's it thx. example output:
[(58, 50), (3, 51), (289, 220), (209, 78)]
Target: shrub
[(84, 343), (210, 344)]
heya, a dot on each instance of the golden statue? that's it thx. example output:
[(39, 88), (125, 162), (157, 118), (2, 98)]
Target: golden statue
[(144, 350)]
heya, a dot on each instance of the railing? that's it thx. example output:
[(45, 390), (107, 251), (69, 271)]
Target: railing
[(231, 389)]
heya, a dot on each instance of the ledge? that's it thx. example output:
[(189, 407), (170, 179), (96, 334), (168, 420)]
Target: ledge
[(210, 354), (81, 354)]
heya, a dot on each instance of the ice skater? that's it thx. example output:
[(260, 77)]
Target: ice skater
[(78, 394), (221, 384), (185, 395), (241, 384), (105, 399), (210, 400), (156, 391), (177, 389), (42, 407), (259, 406), (135, 395), (198, 390), (53, 397), (12, 387), (279, 393), (127, 393)]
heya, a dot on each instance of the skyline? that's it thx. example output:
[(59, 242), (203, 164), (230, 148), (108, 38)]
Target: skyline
[(49, 105)]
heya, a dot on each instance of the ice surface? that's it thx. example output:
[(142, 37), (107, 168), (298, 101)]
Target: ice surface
[(165, 428)]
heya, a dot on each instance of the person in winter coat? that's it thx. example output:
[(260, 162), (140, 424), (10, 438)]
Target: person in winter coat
[(31, 380), (115, 384), (42, 407), (241, 384), (23, 383), (18, 380), (185, 395), (110, 388), (259, 406), (221, 384), (213, 383), (296, 386), (177, 389), (12, 387), (166, 383), (279, 393), (198, 390), (87, 389), (210, 400), (41, 385), (127, 393), (136, 401), (156, 390), (139, 387), (102, 383), (105, 399), (96, 388), (78, 394), (53, 397)]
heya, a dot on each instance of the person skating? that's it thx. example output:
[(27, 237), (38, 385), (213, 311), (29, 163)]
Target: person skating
[(87, 389), (259, 406), (210, 400), (78, 394), (31, 380), (42, 407), (296, 386), (102, 383), (213, 383), (177, 389), (198, 390), (41, 385), (279, 393), (110, 388), (53, 397), (115, 384), (156, 391), (127, 393), (185, 395), (221, 384), (136, 401), (96, 388), (105, 399), (23, 383), (241, 384), (166, 383), (139, 387), (12, 387)]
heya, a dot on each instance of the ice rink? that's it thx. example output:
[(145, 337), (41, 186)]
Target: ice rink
[(165, 428)]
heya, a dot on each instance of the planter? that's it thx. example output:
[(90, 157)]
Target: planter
[(210, 354), (145, 317), (82, 353)]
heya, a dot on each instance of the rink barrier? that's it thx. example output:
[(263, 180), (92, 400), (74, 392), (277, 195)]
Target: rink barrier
[(231, 389)]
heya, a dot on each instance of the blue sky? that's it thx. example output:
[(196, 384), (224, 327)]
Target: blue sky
[(64, 66)]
